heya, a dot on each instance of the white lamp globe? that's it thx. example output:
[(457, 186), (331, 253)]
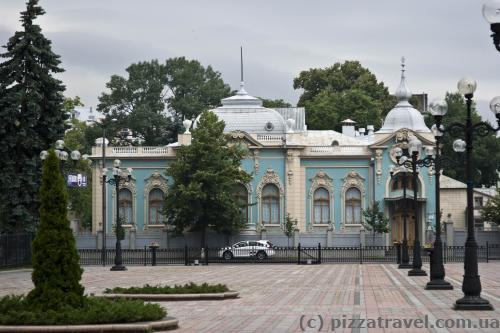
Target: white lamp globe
[(438, 107), (491, 11), (459, 145), (495, 105), (467, 86)]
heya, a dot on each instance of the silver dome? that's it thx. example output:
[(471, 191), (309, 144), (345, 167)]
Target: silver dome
[(403, 115), (245, 113)]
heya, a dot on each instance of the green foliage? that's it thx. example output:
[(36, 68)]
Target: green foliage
[(275, 103), (204, 175), (290, 225), (154, 99), (17, 310), (375, 219), (490, 212), (188, 288), (56, 271), (485, 153), (31, 119), (342, 91), (69, 105), (80, 198)]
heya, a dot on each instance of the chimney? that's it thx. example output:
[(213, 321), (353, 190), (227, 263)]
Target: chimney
[(348, 128), (370, 129)]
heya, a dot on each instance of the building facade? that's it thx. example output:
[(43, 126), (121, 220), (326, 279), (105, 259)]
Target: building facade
[(322, 178)]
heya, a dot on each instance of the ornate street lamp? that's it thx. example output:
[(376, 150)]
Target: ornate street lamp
[(405, 258), (412, 161), (471, 285), (437, 272), (118, 178), (491, 12), (63, 154)]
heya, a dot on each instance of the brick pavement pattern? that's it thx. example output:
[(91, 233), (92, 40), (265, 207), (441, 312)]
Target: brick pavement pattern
[(274, 298)]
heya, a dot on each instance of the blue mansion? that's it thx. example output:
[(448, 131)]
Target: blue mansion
[(322, 178)]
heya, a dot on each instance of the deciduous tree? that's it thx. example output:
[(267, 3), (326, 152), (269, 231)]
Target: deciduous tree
[(204, 176), (342, 91)]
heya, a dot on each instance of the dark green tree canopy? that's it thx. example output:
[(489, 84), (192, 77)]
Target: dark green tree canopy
[(31, 118), (486, 151), (275, 103), (491, 210), (342, 91), (204, 176), (154, 99)]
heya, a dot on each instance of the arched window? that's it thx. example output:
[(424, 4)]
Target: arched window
[(125, 206), (335, 143), (397, 183), (155, 204), (241, 195), (270, 204), (353, 206), (321, 206)]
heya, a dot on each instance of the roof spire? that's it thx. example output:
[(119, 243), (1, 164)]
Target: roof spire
[(242, 83), (403, 93)]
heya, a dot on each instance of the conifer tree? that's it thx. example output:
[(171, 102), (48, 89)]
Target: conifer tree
[(56, 270), (204, 176), (31, 119)]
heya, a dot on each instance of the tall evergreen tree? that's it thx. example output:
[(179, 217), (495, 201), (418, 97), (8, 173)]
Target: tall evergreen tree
[(204, 176), (56, 270), (30, 119)]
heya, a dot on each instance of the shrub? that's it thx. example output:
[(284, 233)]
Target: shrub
[(56, 270), (188, 288), (17, 310)]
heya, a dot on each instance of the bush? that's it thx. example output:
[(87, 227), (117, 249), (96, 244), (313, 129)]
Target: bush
[(188, 288), (56, 269), (17, 310)]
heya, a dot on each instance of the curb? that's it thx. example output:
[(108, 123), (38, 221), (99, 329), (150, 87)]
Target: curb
[(175, 297), (169, 323)]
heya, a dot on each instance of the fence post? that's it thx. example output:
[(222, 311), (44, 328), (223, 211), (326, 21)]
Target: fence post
[(206, 255), (298, 254), (487, 252), (360, 253), (319, 253), (145, 254), (445, 249), (185, 255)]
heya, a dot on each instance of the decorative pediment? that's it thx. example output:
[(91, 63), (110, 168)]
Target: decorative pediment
[(155, 180), (270, 177), (244, 138), (321, 179), (353, 179), (400, 136)]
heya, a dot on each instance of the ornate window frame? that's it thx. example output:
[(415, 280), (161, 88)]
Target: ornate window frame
[(320, 180), (270, 177), (422, 194), (155, 180), (132, 187), (352, 179)]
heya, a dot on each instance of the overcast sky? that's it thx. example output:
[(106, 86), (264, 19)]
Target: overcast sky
[(442, 40)]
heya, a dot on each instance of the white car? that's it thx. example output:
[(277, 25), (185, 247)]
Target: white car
[(248, 249)]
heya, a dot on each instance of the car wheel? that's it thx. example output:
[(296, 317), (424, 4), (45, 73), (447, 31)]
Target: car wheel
[(227, 255), (261, 255)]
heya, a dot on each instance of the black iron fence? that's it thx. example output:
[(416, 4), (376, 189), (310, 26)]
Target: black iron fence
[(277, 255), (15, 251)]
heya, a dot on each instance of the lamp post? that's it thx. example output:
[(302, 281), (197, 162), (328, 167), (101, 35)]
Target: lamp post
[(471, 285), (412, 161), (405, 258), (118, 177), (491, 12), (437, 272)]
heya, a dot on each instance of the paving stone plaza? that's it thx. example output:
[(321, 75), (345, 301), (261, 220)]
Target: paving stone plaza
[(292, 298)]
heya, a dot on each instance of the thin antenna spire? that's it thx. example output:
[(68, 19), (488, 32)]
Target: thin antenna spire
[(242, 83), (241, 55), (403, 59)]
